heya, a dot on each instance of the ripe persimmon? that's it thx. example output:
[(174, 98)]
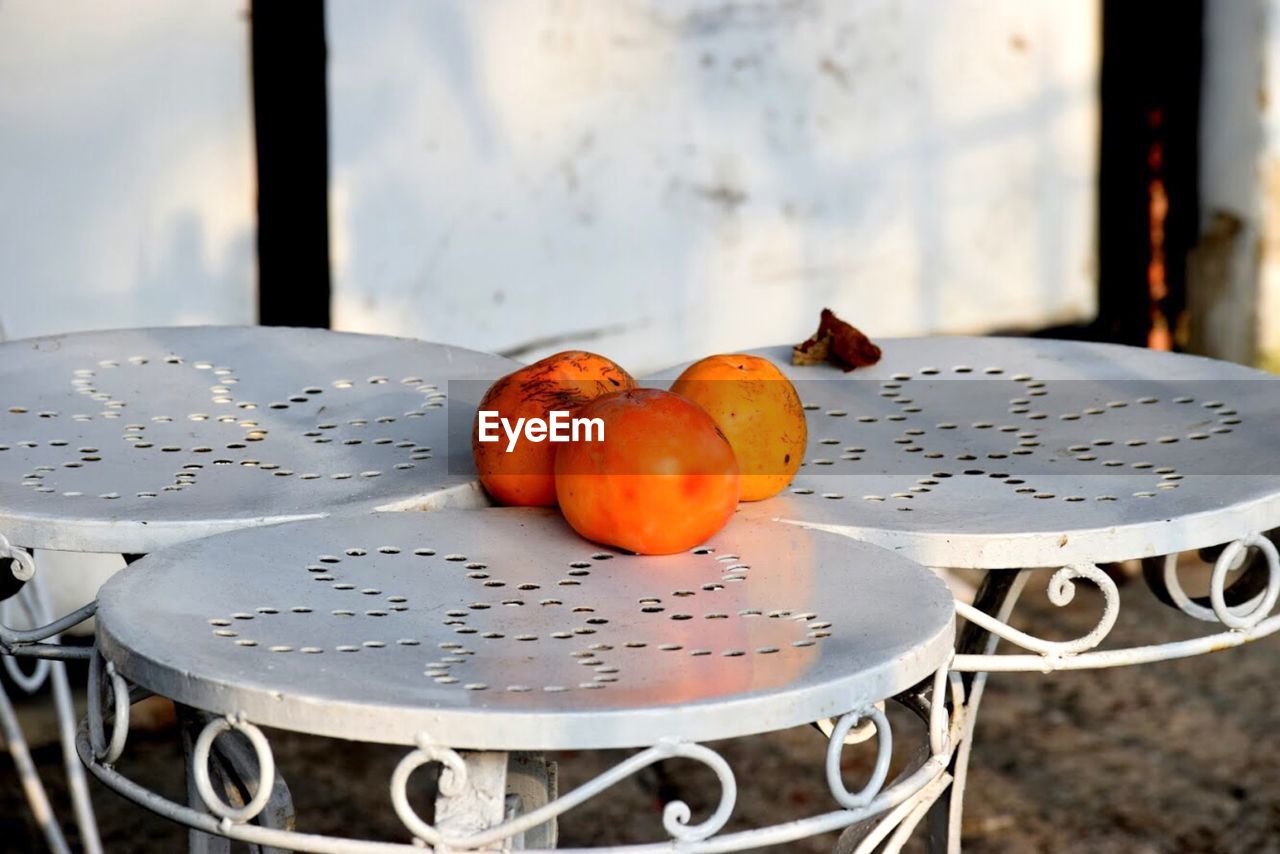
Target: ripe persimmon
[(663, 479), (525, 475), (760, 413)]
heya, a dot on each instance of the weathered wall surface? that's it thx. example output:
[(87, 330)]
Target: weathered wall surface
[(653, 179), (657, 180), (1268, 182), (126, 165)]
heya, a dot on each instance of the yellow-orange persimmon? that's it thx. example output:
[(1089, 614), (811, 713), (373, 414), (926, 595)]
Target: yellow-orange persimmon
[(759, 411), (664, 478), (525, 475)]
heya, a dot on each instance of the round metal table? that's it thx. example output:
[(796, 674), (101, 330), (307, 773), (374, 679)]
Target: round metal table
[(502, 631), (132, 440), (1000, 453), (1007, 453)]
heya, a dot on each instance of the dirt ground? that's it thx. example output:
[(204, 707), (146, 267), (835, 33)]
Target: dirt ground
[(1175, 757)]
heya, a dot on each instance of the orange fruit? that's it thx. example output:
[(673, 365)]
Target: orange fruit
[(526, 475), (663, 479), (760, 413)]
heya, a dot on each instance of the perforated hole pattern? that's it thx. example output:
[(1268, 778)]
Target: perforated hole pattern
[(185, 424), (578, 630), (917, 437)]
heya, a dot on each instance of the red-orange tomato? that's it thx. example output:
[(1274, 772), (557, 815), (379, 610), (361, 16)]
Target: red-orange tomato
[(663, 479), (565, 381)]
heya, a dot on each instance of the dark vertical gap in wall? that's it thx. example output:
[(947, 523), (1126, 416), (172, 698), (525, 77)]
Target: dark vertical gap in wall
[(291, 128), (1148, 199)]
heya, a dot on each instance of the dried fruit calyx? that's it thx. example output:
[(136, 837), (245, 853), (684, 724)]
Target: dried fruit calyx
[(836, 342)]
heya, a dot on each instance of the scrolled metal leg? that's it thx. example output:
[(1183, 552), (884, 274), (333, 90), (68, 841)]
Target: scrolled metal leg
[(477, 801), (241, 770), (932, 702), (891, 832), (33, 598), (476, 797), (1245, 621), (226, 778), (16, 569), (28, 641), (104, 750), (1253, 578), (1243, 609), (31, 785), (31, 682), (198, 842), (996, 596), (475, 811), (879, 774), (77, 782)]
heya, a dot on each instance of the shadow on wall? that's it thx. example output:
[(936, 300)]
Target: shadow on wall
[(126, 160), (183, 273), (657, 180)]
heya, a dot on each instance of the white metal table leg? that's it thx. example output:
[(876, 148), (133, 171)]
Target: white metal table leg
[(897, 825), (479, 803), (234, 773), (28, 682), (953, 801), (77, 782), (498, 787), (198, 842), (31, 784), (960, 773)]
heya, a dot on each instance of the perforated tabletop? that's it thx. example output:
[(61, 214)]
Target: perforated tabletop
[(502, 629), (127, 441), (1007, 452)]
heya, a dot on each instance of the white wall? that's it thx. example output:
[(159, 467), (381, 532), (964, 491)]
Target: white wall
[(651, 178), (656, 179), (126, 164), (1268, 180)]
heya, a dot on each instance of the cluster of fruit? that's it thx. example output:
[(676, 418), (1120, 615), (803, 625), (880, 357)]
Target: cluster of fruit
[(665, 469)]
